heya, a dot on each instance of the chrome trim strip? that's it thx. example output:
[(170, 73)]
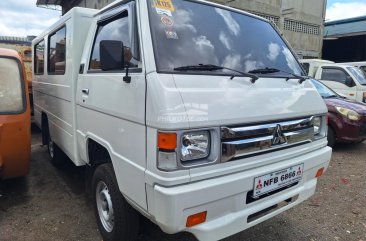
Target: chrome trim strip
[(241, 132), (253, 140)]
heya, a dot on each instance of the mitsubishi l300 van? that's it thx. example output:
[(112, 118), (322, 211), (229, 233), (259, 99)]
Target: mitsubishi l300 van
[(15, 140), (193, 114)]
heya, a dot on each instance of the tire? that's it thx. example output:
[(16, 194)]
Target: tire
[(56, 155), (116, 219), (331, 137)]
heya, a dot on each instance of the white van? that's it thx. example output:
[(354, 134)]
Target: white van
[(312, 65), (348, 81), (208, 130), (361, 65)]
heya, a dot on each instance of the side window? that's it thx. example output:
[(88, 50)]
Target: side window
[(363, 68), (39, 58), (57, 52), (113, 29), (336, 75)]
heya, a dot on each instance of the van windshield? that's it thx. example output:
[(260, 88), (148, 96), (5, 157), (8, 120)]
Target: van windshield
[(11, 91), (359, 75), (187, 33)]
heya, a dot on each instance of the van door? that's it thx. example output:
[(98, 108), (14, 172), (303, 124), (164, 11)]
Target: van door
[(336, 79), (111, 111)]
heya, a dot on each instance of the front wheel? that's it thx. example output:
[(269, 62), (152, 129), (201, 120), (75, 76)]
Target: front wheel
[(116, 219), (331, 137)]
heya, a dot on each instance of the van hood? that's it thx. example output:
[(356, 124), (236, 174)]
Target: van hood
[(207, 101)]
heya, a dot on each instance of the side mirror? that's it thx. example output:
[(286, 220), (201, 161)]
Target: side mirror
[(111, 55), (349, 81)]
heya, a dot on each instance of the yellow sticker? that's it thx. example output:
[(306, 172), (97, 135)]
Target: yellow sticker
[(164, 4)]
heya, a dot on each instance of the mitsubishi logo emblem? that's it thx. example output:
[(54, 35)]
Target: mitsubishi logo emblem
[(278, 137)]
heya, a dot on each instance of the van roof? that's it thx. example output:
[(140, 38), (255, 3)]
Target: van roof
[(316, 60), (9, 53), (336, 65), (354, 63), (88, 12)]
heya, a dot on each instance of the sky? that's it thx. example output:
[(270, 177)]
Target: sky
[(23, 17), (341, 9)]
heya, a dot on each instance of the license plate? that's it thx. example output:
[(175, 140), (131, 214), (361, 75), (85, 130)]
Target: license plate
[(279, 179)]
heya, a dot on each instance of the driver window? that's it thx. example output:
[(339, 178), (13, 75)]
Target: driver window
[(335, 75), (116, 28)]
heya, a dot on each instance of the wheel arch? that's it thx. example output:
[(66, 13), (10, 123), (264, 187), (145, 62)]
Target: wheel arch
[(97, 153)]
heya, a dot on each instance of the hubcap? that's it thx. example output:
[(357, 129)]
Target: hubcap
[(104, 206)]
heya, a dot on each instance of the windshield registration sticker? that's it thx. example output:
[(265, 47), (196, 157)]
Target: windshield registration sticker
[(166, 5), (276, 180)]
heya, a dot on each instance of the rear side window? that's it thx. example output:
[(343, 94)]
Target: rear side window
[(113, 29), (363, 68), (57, 52), (11, 87), (39, 58), (336, 75)]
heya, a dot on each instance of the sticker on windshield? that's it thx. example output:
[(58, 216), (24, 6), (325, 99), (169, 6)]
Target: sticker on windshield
[(165, 12), (167, 21), (171, 34), (164, 5)]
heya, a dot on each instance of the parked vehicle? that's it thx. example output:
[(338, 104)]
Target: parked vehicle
[(346, 80), (162, 108), (14, 116), (346, 118), (312, 65), (361, 65)]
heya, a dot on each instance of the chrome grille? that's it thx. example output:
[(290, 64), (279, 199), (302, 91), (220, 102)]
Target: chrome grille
[(240, 142)]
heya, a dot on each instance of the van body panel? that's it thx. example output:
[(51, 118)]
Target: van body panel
[(54, 93), (15, 133)]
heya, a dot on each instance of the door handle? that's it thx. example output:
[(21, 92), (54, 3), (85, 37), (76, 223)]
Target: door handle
[(85, 91)]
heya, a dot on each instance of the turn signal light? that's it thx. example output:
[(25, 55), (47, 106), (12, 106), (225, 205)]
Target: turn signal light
[(320, 172), (167, 141), (364, 97), (196, 219)]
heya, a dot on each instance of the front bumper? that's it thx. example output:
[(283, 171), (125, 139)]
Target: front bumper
[(224, 199), (352, 131)]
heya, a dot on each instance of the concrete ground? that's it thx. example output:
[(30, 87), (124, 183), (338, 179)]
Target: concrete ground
[(51, 204)]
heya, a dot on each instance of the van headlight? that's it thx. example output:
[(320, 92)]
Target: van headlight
[(319, 124), (195, 145), (350, 114), (188, 149)]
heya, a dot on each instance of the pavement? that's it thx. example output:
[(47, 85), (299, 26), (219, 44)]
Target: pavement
[(51, 204)]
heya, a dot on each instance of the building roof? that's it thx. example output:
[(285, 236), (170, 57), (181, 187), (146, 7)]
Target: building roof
[(17, 40), (345, 27), (48, 2)]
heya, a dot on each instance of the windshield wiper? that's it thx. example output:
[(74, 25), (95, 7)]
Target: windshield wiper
[(211, 67), (274, 70)]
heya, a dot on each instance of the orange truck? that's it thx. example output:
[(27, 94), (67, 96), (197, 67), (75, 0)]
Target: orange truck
[(15, 134)]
